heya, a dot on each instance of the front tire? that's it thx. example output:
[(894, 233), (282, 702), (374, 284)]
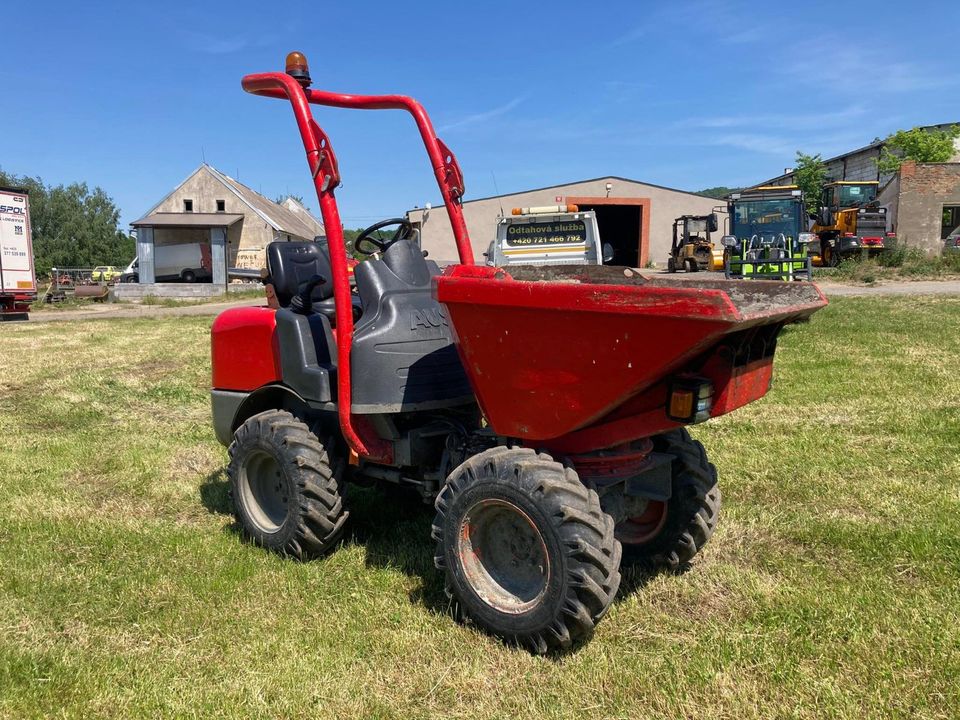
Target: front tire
[(285, 486), (669, 534), (529, 555)]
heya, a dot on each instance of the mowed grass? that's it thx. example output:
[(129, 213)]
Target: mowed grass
[(831, 588)]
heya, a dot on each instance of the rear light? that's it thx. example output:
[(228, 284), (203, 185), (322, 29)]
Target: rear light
[(849, 234), (890, 234), (956, 242), (689, 400)]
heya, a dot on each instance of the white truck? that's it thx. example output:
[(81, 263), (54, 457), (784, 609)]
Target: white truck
[(549, 235), (184, 262), (18, 280)]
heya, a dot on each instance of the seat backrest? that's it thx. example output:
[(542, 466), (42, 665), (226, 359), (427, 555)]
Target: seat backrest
[(291, 264)]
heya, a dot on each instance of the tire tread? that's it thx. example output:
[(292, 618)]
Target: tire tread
[(585, 533)]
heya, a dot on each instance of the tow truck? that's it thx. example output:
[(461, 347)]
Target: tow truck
[(548, 235)]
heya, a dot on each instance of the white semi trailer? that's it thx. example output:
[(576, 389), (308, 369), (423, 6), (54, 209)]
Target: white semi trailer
[(18, 280)]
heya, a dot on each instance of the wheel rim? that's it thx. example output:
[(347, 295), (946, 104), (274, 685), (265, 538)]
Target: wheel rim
[(503, 556), (644, 527), (264, 492)]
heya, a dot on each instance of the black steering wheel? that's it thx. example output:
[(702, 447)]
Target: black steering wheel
[(370, 237)]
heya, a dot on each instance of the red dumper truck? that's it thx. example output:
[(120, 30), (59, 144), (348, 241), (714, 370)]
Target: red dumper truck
[(542, 410)]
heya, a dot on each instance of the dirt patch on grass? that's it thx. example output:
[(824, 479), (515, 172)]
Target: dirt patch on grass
[(156, 368)]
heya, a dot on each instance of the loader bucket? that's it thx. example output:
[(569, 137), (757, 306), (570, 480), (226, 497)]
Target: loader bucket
[(552, 350)]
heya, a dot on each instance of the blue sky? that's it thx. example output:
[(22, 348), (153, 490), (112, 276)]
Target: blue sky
[(131, 96)]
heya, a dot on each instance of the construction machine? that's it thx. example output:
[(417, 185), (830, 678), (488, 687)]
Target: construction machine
[(691, 248), (850, 222), (542, 410), (767, 235)]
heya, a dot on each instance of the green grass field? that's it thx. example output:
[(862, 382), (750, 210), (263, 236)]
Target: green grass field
[(831, 588)]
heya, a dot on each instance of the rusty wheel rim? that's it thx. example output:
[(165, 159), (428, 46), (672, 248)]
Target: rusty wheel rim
[(503, 556), (644, 527)]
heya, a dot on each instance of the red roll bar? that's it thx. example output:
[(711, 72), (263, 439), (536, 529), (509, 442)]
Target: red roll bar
[(360, 435)]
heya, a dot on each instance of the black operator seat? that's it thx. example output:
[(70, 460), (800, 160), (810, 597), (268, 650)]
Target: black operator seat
[(292, 264), (306, 344), (403, 358)]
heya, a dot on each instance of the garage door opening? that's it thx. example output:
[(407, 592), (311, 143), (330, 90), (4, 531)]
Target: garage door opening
[(622, 223)]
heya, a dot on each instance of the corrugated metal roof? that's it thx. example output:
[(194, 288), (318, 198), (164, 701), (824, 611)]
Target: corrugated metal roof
[(171, 219), (580, 182), (875, 145)]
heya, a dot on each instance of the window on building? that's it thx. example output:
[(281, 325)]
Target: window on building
[(950, 225), (221, 205), (188, 205)]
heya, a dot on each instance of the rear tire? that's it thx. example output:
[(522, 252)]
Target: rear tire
[(188, 276), (829, 257), (285, 486), (671, 533), (529, 555)]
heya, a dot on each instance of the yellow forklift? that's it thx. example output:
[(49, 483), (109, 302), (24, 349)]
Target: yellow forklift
[(692, 249)]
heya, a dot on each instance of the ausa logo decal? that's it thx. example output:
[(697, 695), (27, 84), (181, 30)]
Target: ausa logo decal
[(427, 318)]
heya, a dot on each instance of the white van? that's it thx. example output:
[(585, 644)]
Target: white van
[(186, 262)]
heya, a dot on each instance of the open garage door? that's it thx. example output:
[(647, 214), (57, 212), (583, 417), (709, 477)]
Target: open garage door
[(623, 223)]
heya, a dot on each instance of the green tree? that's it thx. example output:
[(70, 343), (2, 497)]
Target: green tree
[(719, 192), (72, 226), (809, 174), (932, 146)]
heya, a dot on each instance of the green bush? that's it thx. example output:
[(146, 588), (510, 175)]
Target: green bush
[(898, 262), (894, 257), (858, 270)]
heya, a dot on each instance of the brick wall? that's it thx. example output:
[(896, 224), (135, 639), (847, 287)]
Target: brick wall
[(924, 189)]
